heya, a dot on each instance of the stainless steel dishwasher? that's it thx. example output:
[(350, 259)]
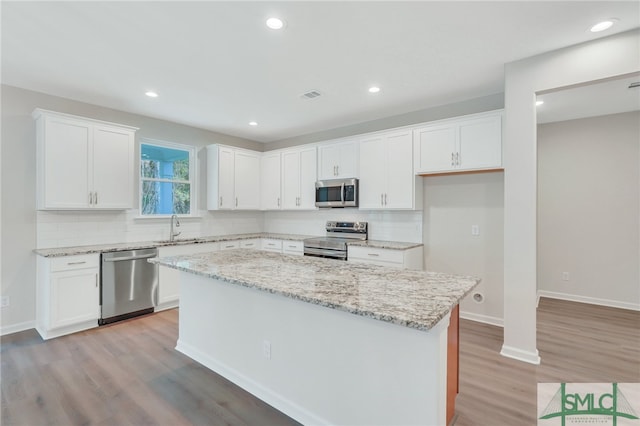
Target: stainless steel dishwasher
[(129, 285)]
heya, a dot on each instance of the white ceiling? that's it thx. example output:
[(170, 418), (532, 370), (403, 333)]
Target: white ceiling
[(216, 65)]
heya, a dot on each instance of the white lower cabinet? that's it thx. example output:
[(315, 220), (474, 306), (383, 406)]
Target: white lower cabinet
[(283, 246), (229, 245), (169, 279), (253, 243), (269, 244), (293, 247), (395, 258), (68, 294)]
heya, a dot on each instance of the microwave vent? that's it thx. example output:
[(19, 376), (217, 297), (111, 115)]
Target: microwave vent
[(311, 94)]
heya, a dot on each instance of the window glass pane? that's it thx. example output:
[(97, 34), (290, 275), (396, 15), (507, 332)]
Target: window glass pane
[(165, 198), (164, 163)]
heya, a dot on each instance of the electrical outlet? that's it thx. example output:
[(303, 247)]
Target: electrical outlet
[(266, 349), (475, 230), (5, 301), (565, 276)]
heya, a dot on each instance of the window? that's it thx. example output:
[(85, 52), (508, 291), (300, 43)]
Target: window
[(167, 176)]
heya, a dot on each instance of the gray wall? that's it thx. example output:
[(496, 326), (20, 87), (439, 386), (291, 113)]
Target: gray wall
[(595, 60), (19, 186), (588, 209), (452, 205), (471, 106)]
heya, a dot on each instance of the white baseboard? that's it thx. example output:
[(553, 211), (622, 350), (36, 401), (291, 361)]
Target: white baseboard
[(486, 319), (520, 355), (15, 328), (590, 300), (259, 391)]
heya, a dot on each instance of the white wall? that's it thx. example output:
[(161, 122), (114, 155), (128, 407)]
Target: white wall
[(602, 58), (588, 209), (19, 217), (452, 204), (403, 226), (64, 229)]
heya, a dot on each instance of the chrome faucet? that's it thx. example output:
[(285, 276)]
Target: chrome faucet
[(173, 235)]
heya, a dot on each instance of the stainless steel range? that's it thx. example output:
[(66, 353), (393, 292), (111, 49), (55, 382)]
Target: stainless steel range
[(334, 245)]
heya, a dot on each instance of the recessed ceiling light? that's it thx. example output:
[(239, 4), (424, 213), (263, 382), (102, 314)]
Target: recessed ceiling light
[(374, 89), (253, 123), (601, 26), (151, 94), (538, 103), (275, 23)]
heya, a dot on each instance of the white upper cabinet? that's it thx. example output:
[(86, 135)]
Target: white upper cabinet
[(247, 180), (338, 160), (270, 181), (83, 163), (387, 180), (233, 178), (298, 179), (462, 144)]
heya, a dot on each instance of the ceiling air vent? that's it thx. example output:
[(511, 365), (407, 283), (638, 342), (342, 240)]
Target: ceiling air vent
[(310, 95)]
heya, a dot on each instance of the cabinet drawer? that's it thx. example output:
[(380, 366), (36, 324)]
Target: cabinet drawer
[(229, 245), (293, 247), (69, 263), (272, 245), (250, 244), (376, 255)]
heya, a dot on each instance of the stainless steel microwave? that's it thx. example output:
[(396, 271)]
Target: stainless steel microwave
[(337, 193)]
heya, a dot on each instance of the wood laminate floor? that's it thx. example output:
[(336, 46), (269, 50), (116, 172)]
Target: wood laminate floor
[(130, 374)]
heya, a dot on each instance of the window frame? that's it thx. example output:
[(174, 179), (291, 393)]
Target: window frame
[(193, 170)]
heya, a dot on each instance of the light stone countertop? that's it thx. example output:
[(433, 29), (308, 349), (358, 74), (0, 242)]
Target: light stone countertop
[(414, 299), (391, 245), (104, 248)]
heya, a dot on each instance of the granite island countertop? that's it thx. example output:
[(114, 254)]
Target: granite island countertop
[(414, 299)]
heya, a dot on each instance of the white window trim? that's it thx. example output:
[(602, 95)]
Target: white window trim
[(193, 174)]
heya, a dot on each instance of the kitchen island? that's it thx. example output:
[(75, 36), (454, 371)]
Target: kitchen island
[(324, 341)]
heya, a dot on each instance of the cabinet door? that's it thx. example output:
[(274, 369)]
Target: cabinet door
[(348, 160), (226, 175), (270, 198), (75, 297), (373, 173), (436, 148), (308, 178), (66, 151), (247, 181), (290, 179), (328, 161), (113, 167), (481, 143), (400, 193)]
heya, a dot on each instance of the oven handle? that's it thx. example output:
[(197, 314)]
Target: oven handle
[(342, 193), (309, 251)]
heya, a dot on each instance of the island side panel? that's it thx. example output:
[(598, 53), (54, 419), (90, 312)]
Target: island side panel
[(326, 366), (453, 363)]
